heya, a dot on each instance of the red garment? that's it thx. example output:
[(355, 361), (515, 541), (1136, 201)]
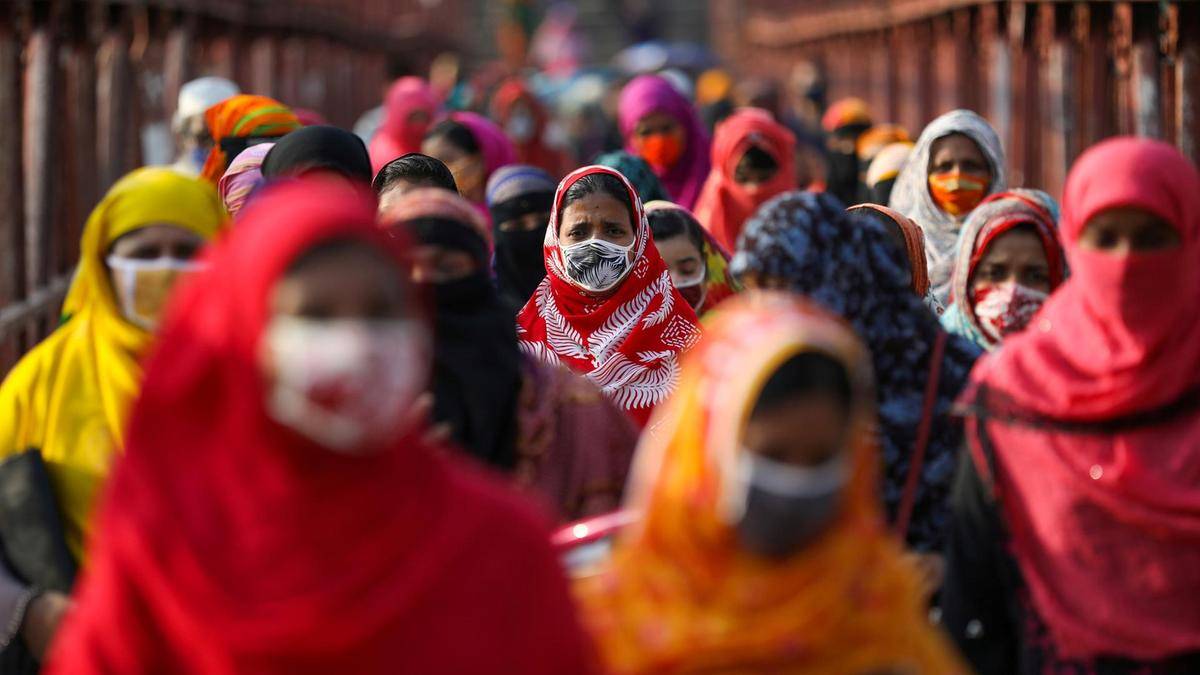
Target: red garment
[(534, 150), (1105, 523), (627, 341), (724, 205), (397, 136), (229, 544)]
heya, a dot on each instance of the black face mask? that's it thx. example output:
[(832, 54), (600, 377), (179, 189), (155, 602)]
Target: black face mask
[(463, 294), (519, 263), (776, 520), (843, 176)]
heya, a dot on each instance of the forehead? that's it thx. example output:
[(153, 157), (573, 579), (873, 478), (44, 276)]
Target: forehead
[(1015, 245), (677, 248), (956, 145)]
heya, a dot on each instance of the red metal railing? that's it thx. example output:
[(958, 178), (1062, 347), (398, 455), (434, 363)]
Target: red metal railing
[(79, 79), (1053, 76)]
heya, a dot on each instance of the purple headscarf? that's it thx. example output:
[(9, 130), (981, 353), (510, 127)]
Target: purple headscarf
[(650, 94), (242, 177)]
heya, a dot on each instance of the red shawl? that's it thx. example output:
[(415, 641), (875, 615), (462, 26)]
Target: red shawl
[(398, 136), (534, 151), (724, 204), (627, 341), (1105, 522), (228, 544)]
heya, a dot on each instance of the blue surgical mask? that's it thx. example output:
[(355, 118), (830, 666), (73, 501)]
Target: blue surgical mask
[(778, 508)]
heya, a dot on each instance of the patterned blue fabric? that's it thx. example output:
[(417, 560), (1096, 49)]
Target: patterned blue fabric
[(854, 269)]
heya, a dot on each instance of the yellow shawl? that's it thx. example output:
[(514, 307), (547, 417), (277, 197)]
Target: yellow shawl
[(681, 596), (70, 395)]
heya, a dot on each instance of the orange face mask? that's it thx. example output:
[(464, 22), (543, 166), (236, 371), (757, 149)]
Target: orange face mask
[(661, 151), (958, 193)]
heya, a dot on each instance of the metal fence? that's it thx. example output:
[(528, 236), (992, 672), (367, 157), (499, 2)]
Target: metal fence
[(81, 79), (1052, 76)]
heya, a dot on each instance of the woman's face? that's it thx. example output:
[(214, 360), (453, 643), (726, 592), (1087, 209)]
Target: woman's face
[(683, 259), (152, 260), (434, 264), (157, 241), (468, 169), (1122, 231), (957, 153), (1015, 257), (352, 282), (596, 216), (805, 431), (660, 140)]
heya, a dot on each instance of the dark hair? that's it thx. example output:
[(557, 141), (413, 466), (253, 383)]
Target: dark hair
[(598, 184), (805, 374), (758, 159), (670, 223), (456, 133), (417, 168)]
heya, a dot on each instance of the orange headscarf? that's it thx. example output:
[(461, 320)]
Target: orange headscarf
[(914, 245), (243, 116), (724, 204), (680, 594)]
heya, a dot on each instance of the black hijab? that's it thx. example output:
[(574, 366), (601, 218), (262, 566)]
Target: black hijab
[(514, 192), (319, 148), (476, 367)]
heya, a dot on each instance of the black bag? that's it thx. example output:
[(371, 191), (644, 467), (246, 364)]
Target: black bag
[(32, 541)]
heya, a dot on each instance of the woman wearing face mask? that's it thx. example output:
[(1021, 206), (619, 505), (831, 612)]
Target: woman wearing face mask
[(753, 160), (844, 122), (699, 265), (409, 109), (1076, 530), (808, 244), (240, 122), (661, 127), (1009, 261), (68, 398), (761, 546), (956, 163), (550, 430), (908, 237), (474, 148), (280, 508), (607, 307), (524, 119), (520, 199)]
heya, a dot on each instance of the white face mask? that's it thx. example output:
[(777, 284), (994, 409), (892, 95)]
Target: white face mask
[(1007, 309), (345, 383), (520, 127), (146, 285), (597, 265)]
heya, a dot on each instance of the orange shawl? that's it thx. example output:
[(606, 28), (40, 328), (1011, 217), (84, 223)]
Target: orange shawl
[(681, 596)]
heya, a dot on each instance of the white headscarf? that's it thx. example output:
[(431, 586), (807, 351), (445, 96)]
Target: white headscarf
[(911, 197)]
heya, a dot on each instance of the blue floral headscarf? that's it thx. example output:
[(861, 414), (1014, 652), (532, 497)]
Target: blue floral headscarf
[(851, 266)]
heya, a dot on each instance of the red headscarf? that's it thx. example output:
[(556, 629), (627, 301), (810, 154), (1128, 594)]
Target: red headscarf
[(1105, 520), (628, 342), (229, 544), (724, 204), (533, 150), (398, 136)]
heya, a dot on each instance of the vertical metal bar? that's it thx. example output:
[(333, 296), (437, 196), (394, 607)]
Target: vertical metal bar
[(1187, 84), (113, 92), (40, 94), (11, 193)]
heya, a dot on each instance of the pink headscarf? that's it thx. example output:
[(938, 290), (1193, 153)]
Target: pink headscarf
[(653, 94), (1092, 416), (242, 177), (397, 136), (497, 150)]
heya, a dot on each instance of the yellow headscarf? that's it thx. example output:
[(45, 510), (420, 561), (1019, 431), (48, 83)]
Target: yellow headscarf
[(680, 595), (70, 395)]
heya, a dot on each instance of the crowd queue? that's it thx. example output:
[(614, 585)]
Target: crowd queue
[(798, 393)]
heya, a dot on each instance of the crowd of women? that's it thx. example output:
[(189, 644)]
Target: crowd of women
[(317, 403)]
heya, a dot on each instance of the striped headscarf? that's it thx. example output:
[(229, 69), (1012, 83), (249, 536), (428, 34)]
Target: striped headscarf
[(243, 177), (243, 116)]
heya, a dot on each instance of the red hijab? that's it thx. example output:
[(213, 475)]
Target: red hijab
[(533, 150), (627, 341), (724, 204), (228, 544), (1097, 450), (397, 135)]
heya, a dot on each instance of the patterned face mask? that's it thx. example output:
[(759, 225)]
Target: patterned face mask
[(146, 286), (597, 265), (1006, 309)]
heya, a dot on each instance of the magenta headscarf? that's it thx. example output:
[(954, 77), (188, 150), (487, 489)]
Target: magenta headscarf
[(494, 145), (650, 94), (242, 177), (396, 136)]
